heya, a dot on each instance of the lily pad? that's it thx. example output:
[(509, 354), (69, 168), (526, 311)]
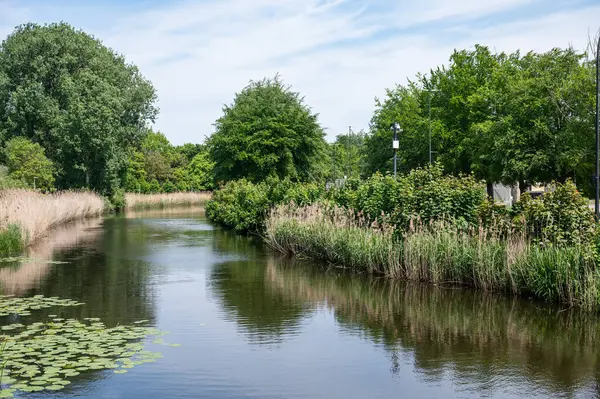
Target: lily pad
[(45, 355)]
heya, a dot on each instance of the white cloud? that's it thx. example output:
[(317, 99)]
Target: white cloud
[(339, 53)]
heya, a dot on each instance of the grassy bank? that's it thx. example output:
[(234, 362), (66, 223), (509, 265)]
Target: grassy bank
[(166, 200), (26, 216), (437, 253)]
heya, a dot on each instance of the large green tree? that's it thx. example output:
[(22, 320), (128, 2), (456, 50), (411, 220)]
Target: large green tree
[(267, 131), (503, 117), (81, 101)]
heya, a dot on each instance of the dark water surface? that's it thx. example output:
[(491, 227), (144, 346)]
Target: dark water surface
[(253, 325)]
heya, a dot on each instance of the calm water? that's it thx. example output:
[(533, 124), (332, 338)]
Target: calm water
[(253, 325)]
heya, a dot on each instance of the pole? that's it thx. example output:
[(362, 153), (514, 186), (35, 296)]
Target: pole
[(597, 177), (395, 146), (348, 152), (430, 156)]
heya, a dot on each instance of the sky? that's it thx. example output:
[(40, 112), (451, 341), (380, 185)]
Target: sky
[(339, 54)]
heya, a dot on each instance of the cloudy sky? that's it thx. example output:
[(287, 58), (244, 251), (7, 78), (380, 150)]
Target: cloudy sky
[(340, 54)]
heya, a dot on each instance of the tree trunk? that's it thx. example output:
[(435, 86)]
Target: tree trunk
[(490, 190), (515, 192)]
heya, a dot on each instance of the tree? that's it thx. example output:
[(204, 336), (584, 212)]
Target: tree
[(347, 156), (190, 150), (82, 102), (200, 172), (550, 133), (502, 117), (27, 162), (267, 130), (401, 104)]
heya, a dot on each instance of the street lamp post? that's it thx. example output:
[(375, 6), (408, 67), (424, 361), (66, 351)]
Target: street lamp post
[(429, 122), (597, 176), (396, 144)]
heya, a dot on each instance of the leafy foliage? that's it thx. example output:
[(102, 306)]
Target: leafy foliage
[(507, 118), (347, 156), (424, 193), (77, 98), (242, 205), (559, 217), (27, 162), (267, 131)]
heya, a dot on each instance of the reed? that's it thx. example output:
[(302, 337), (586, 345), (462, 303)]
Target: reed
[(26, 216), (166, 200), (437, 252)]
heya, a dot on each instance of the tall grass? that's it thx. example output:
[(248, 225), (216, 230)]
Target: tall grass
[(165, 200), (29, 215), (437, 253)]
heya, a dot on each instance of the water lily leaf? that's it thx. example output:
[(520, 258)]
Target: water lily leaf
[(6, 393)]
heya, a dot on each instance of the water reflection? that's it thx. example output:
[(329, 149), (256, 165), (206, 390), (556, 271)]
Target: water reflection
[(484, 341), (265, 316), (20, 277)]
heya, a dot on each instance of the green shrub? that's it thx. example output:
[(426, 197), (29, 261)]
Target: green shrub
[(560, 217), (11, 240), (240, 205), (425, 193), (116, 202)]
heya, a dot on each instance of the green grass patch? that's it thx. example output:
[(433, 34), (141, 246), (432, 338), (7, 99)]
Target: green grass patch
[(11, 240)]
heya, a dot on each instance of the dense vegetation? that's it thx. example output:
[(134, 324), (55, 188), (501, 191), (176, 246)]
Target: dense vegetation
[(75, 115), (507, 118)]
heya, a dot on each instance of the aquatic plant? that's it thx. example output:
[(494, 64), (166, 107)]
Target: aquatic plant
[(46, 355)]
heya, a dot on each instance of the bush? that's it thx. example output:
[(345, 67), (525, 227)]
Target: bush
[(240, 205), (424, 193), (117, 200), (560, 217), (11, 240)]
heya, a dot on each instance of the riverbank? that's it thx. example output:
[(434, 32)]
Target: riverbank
[(166, 200), (26, 215), (437, 253)]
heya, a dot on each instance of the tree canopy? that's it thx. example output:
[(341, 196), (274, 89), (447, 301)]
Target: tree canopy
[(267, 131), (82, 102), (507, 118)]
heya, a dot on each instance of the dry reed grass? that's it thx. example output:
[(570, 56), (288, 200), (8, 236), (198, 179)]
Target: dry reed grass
[(21, 278), (36, 213), (165, 200)]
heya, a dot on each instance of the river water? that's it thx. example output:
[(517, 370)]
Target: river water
[(253, 325)]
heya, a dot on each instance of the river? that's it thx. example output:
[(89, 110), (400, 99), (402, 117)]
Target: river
[(254, 325)]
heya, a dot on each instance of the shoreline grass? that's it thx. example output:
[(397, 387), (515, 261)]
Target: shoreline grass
[(166, 200), (437, 253), (26, 216)]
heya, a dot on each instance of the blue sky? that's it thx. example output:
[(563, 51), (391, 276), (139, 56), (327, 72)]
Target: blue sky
[(340, 54)]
